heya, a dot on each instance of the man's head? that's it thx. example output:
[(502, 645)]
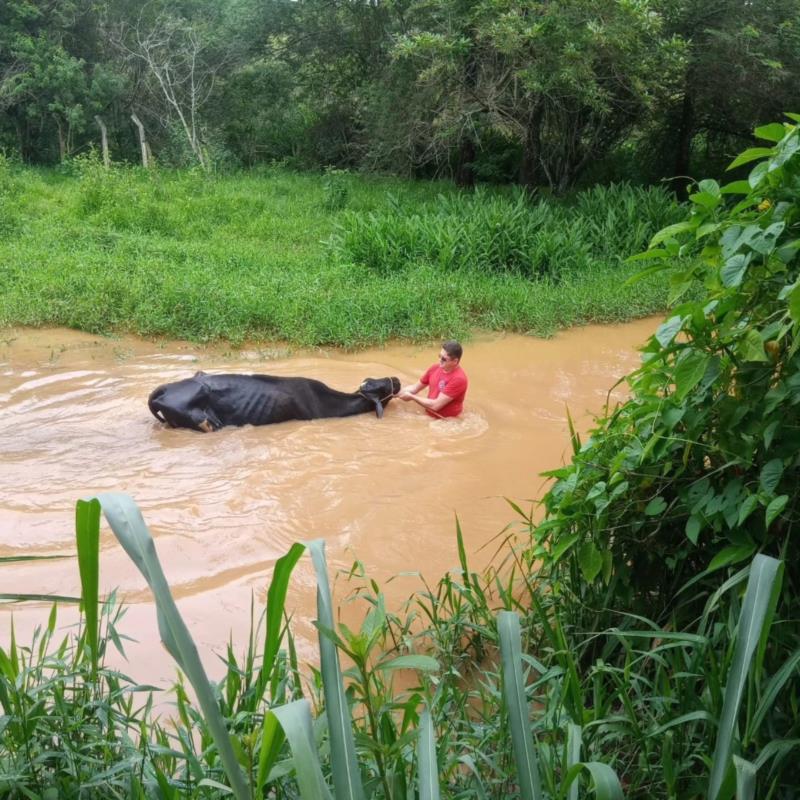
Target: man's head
[(450, 355)]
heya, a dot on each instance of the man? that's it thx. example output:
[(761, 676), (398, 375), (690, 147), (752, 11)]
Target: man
[(446, 382)]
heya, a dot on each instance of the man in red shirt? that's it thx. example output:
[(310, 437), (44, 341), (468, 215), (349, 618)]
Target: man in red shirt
[(446, 382)]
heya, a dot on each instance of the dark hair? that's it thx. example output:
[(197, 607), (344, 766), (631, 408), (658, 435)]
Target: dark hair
[(453, 349)]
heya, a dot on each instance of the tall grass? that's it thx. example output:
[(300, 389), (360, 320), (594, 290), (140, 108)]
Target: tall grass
[(524, 703), (514, 235), (255, 256)]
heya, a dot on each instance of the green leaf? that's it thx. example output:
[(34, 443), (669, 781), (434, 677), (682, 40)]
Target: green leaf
[(757, 174), (346, 776), (794, 304), (750, 155), (295, 719), (747, 507), (745, 779), (751, 348), (757, 599), (272, 738), (590, 560), (87, 532), (693, 527), (732, 554), (689, 371), (732, 272), (426, 758), (527, 768), (670, 231), (564, 544), (773, 132), (668, 330), (771, 474), (736, 187), (276, 603), (775, 507), (418, 662), (655, 507)]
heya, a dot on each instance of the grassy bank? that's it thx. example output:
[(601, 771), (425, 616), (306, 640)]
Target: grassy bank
[(312, 259)]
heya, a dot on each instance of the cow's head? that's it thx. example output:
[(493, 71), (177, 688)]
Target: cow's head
[(379, 391)]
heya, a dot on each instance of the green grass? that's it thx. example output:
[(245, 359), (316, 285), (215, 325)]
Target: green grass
[(272, 256)]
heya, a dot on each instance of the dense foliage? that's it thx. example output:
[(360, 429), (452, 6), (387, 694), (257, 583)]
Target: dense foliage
[(545, 94), (312, 260), (658, 598)]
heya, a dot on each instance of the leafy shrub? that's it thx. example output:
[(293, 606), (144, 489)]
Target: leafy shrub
[(335, 189), (515, 235)]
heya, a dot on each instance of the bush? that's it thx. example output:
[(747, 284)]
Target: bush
[(507, 235)]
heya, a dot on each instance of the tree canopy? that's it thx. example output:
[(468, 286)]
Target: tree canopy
[(542, 94)]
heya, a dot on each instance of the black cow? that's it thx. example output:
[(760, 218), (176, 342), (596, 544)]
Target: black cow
[(209, 402)]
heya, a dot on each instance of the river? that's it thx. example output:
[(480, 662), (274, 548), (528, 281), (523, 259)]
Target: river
[(224, 506)]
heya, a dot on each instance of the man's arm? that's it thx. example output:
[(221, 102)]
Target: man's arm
[(409, 391), (432, 405)]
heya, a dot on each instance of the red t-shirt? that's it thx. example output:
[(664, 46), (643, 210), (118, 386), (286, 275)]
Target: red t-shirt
[(453, 384)]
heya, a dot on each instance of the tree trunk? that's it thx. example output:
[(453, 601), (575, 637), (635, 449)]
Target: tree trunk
[(530, 169), (465, 175), (103, 141), (62, 147), (142, 140), (683, 151)]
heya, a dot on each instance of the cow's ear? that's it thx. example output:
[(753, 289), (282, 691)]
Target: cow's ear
[(379, 409)]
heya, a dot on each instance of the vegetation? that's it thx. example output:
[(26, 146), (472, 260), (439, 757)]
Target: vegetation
[(508, 91), (334, 260), (642, 638)]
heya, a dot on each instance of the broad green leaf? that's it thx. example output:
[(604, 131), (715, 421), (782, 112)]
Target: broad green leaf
[(771, 474), (87, 532), (750, 155), (794, 304), (564, 544), (736, 187), (772, 133), (757, 174), (745, 779), (748, 506), (346, 776), (295, 719), (689, 371), (732, 272), (655, 507), (763, 574), (418, 662), (272, 738), (527, 772), (732, 554), (705, 199), (693, 527), (590, 560), (573, 755), (751, 348), (775, 507), (276, 602), (668, 330), (670, 231), (428, 768)]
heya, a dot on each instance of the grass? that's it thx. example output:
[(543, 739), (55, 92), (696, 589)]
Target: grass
[(508, 697), (276, 255)]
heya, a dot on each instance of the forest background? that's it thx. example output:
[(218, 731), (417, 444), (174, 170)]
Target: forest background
[(508, 91)]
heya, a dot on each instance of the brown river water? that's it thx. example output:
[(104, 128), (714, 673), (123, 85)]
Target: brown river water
[(224, 506)]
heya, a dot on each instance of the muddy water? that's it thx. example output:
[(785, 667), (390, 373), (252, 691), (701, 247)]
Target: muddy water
[(224, 506)]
